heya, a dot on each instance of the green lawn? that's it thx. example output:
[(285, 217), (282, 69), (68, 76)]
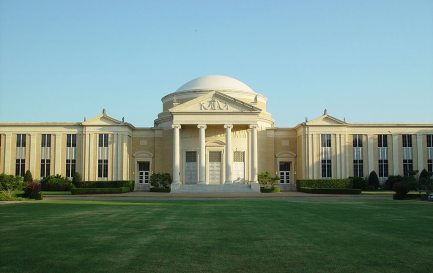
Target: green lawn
[(295, 235)]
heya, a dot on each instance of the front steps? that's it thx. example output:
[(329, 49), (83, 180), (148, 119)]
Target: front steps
[(235, 187)]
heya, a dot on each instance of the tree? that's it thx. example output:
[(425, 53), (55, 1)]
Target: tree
[(425, 181), (28, 177), (266, 180), (373, 180), (76, 179)]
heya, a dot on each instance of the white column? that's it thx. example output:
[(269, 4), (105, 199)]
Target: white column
[(253, 153), (176, 154), (58, 155), (90, 162), (370, 153), (420, 152), (312, 164), (7, 154), (126, 157), (115, 156), (202, 155), (338, 151), (395, 162), (33, 151), (343, 156), (119, 157), (229, 153)]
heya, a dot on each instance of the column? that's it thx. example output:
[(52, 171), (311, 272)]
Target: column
[(253, 153), (420, 152), (58, 155), (312, 157), (395, 163), (120, 175), (33, 151), (338, 151), (229, 153), (370, 153), (202, 155), (7, 154), (115, 156), (176, 154)]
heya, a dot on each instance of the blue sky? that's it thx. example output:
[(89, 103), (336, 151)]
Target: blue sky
[(367, 61)]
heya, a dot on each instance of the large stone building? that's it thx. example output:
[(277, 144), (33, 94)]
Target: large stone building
[(214, 134)]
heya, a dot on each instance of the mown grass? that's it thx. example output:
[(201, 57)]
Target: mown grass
[(293, 235)]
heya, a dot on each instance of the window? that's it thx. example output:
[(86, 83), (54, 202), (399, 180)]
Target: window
[(407, 155), (45, 167), (325, 141), (358, 163), (20, 164), (21, 140), (284, 170), (102, 168), (71, 140), (71, 145), (103, 140), (20, 167), (382, 145), (46, 140), (430, 153), (70, 167), (143, 172)]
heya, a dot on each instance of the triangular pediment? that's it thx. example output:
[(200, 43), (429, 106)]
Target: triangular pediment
[(214, 102), (102, 119), (326, 120)]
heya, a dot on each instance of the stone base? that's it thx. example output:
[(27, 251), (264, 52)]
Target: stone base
[(254, 187)]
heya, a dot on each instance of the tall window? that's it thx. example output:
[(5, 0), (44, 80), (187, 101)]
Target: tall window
[(103, 140), (284, 169), (358, 165), (103, 156), (102, 168), (325, 141), (382, 145), (407, 154), (45, 154), (20, 164), (430, 153), (71, 145)]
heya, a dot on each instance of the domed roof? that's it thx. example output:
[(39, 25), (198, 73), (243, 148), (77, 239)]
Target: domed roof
[(215, 83)]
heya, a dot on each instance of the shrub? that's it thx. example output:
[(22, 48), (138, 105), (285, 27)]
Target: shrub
[(402, 187), (9, 184), (330, 191), (392, 179), (275, 188), (266, 180), (159, 189), (99, 190), (28, 177), (33, 190), (160, 180), (55, 183), (358, 182), (324, 184), (373, 180), (105, 184), (76, 179)]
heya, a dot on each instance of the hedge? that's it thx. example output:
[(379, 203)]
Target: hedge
[(324, 184), (106, 184), (159, 189), (99, 190), (270, 190), (330, 191)]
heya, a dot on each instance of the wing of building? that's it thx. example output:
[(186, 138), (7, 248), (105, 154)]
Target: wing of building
[(214, 134)]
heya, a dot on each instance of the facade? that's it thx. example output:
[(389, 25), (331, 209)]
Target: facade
[(214, 134)]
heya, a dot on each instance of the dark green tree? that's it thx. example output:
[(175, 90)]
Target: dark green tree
[(76, 179), (373, 180), (28, 177)]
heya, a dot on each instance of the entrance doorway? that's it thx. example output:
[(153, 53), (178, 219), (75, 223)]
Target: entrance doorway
[(191, 167), (215, 167), (143, 172), (238, 167), (284, 171)]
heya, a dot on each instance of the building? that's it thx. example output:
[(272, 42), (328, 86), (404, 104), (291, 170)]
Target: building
[(214, 134)]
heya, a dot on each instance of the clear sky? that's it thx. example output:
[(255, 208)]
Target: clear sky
[(365, 60)]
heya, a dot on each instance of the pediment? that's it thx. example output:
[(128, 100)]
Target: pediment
[(326, 120), (214, 102), (102, 119)]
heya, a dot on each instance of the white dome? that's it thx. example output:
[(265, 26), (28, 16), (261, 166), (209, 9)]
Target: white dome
[(215, 83)]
